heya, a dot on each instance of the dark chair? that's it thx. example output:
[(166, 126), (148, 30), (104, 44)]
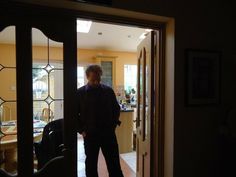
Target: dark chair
[(51, 145)]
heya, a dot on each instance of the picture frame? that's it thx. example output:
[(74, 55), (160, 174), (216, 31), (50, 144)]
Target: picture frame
[(203, 72)]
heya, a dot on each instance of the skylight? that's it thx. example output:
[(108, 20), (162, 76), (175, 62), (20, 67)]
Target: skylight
[(83, 26)]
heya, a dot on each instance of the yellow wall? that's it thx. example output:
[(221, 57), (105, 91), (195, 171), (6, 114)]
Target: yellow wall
[(85, 56), (8, 77), (123, 58)]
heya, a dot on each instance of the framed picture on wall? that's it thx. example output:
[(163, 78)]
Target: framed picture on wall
[(203, 77)]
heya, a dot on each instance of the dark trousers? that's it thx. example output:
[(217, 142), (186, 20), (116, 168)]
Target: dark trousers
[(108, 143)]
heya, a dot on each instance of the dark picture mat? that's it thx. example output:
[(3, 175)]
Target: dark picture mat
[(203, 72)]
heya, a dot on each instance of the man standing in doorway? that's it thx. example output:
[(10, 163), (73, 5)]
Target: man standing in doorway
[(99, 114)]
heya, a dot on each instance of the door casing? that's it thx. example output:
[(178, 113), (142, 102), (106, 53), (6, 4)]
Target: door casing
[(157, 146), (118, 16)]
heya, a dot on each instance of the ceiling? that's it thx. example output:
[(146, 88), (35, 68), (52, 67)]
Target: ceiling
[(113, 37)]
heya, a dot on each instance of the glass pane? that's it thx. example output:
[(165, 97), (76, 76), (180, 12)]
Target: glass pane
[(57, 108), (148, 92), (56, 83), (130, 79), (48, 98), (8, 88), (38, 110), (8, 111), (8, 106), (40, 84), (141, 91), (107, 73), (7, 47), (56, 54), (80, 76)]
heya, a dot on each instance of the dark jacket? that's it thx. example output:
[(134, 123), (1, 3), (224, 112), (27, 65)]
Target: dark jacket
[(98, 109)]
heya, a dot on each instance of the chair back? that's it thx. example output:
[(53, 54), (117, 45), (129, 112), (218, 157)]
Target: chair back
[(47, 115), (53, 133), (5, 113), (52, 139)]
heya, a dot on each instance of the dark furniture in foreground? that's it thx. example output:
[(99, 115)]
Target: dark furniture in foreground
[(51, 145)]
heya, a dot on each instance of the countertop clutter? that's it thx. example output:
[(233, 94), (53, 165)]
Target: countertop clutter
[(127, 110)]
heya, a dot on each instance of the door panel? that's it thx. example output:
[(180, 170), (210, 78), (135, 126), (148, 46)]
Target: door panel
[(48, 97), (63, 30), (59, 63), (8, 102), (145, 103)]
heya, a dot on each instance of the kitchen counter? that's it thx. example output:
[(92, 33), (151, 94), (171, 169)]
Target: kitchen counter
[(124, 132)]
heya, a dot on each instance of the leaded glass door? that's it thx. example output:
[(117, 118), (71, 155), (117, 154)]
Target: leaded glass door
[(8, 101), (145, 104), (38, 83)]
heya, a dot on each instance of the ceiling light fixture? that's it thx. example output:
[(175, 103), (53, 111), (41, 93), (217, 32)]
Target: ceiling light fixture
[(83, 26)]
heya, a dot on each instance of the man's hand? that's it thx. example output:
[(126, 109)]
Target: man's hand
[(84, 134)]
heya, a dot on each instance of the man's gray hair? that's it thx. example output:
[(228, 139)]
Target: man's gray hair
[(94, 69)]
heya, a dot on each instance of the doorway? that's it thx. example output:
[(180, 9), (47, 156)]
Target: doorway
[(55, 32), (116, 48)]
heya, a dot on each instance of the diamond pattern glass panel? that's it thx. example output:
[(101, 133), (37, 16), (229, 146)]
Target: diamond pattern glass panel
[(48, 68), (1, 67), (8, 103), (48, 97), (49, 100), (1, 101)]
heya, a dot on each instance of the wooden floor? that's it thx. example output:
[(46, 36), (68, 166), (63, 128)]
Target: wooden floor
[(102, 169)]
